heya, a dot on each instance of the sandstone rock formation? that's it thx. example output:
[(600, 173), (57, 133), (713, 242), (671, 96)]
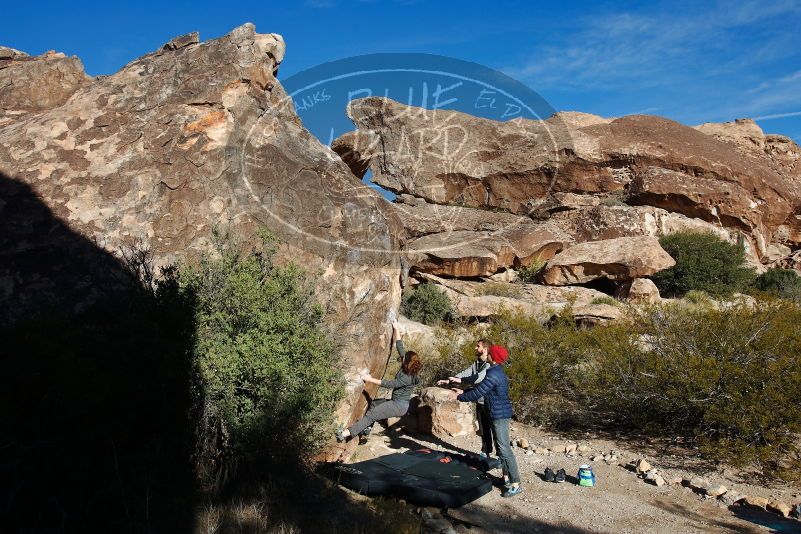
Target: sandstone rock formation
[(781, 153), (527, 167), (191, 136), (471, 254), (641, 291), (440, 416), (596, 314), (621, 259), (482, 300), (37, 83)]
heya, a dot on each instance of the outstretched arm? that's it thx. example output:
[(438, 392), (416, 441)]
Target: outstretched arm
[(480, 390), (398, 341)]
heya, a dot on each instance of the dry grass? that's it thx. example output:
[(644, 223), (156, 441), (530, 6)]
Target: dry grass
[(499, 289)]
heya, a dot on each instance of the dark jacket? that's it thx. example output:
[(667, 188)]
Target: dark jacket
[(403, 385), (495, 390)]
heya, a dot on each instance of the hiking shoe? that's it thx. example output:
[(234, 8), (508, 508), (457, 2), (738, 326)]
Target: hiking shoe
[(512, 491), (366, 431), (340, 437), (560, 475), (549, 475)]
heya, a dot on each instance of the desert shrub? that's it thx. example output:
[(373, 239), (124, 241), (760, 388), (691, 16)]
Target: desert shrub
[(453, 351), (728, 378), (698, 297), (612, 202), (611, 301), (266, 370), (499, 289), (427, 304), (703, 262), (530, 273), (783, 283)]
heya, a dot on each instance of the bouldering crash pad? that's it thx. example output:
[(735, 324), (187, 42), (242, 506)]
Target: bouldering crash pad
[(423, 477)]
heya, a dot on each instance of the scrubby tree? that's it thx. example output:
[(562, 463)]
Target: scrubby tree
[(427, 304), (704, 262), (784, 283), (266, 368), (726, 377)]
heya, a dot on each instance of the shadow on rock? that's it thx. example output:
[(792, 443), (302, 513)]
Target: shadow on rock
[(95, 374)]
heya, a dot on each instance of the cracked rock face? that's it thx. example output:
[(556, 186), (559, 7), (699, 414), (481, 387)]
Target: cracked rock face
[(193, 135), (731, 177), (37, 83)]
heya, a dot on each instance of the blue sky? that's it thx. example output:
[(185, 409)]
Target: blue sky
[(691, 61)]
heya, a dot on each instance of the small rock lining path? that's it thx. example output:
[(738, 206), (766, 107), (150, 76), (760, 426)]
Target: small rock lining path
[(637, 491)]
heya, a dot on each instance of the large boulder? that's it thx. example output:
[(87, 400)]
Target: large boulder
[(466, 242), (621, 259), (440, 416), (596, 314), (189, 137), (782, 154), (600, 222), (749, 139), (641, 291), (518, 166), (37, 83), (482, 300), (471, 254)]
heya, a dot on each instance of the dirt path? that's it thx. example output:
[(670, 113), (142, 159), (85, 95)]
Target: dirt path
[(620, 503)]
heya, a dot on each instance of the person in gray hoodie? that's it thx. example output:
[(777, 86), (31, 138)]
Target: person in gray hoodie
[(473, 375)]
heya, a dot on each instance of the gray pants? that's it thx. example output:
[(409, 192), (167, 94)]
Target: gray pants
[(500, 430), (378, 412)]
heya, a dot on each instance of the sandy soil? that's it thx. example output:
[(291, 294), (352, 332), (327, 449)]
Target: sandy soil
[(621, 502)]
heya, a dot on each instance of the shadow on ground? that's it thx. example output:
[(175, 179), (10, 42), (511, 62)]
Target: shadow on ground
[(481, 519), (94, 385), (763, 518), (722, 525)]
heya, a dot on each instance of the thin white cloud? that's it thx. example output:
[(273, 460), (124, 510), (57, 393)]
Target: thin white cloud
[(778, 116), (652, 48)]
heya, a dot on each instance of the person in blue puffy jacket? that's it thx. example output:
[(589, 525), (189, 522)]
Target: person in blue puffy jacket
[(495, 390)]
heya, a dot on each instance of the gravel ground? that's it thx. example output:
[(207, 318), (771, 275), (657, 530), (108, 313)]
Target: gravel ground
[(620, 503)]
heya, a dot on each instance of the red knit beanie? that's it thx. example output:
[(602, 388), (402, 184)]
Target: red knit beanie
[(498, 354)]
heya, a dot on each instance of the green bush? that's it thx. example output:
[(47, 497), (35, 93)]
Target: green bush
[(530, 273), (452, 352), (698, 297), (703, 262), (728, 378), (266, 371), (427, 304), (784, 283)]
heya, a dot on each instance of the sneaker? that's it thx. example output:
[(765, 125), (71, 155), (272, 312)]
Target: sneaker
[(340, 437), (549, 475), (512, 491), (560, 475), (482, 454)]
